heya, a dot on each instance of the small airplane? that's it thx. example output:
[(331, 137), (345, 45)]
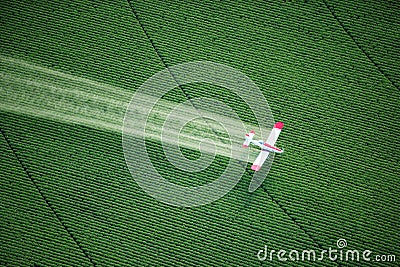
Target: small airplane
[(266, 147)]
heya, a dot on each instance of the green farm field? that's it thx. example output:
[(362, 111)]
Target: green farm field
[(329, 70)]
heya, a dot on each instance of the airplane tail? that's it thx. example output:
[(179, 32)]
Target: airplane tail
[(248, 138)]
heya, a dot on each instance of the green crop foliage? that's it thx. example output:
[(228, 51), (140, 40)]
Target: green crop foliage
[(328, 69)]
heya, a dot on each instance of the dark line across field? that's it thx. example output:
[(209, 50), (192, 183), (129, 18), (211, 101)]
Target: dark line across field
[(86, 253), (327, 87), (358, 45), (134, 11)]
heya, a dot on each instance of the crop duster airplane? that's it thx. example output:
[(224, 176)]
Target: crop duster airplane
[(267, 147)]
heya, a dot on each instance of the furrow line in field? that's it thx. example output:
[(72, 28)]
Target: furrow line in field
[(39, 92)]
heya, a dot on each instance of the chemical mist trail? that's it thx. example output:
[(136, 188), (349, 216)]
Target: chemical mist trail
[(41, 92)]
